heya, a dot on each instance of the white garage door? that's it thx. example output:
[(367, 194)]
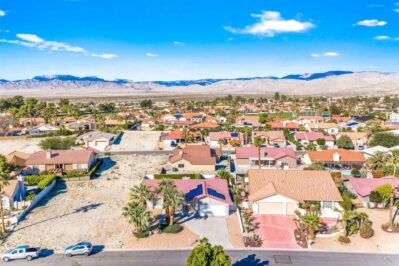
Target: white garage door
[(212, 210), (271, 208)]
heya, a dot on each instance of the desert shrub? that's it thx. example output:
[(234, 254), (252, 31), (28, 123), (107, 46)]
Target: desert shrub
[(375, 196), (366, 231), (344, 239), (143, 234), (355, 172), (172, 229), (24, 207), (30, 196), (75, 173), (57, 143), (321, 142)]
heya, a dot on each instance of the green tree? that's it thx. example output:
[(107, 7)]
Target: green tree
[(263, 118), (172, 199), (377, 161), (344, 142), (393, 160), (317, 165), (206, 255), (312, 222), (5, 170), (223, 174), (384, 139), (57, 143), (258, 142)]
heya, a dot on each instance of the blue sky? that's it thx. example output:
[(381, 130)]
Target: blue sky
[(191, 39)]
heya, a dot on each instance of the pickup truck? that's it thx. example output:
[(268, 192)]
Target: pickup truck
[(21, 252)]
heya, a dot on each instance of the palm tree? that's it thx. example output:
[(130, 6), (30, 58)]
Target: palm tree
[(185, 135), (141, 194), (175, 202), (393, 160), (313, 223), (258, 142), (377, 161), (247, 131), (138, 215), (5, 170), (221, 142), (163, 188)]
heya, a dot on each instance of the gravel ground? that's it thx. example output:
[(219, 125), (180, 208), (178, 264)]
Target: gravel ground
[(29, 145), (137, 141), (86, 210)]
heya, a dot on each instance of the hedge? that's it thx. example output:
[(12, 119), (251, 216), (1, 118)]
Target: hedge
[(143, 234), (172, 229), (176, 176), (33, 180), (45, 181)]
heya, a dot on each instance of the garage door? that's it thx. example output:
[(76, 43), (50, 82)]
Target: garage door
[(271, 208), (212, 210)]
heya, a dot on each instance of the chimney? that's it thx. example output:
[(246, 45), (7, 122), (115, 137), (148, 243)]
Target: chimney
[(48, 154), (336, 157)]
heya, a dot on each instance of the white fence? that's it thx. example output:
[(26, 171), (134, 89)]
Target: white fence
[(36, 200)]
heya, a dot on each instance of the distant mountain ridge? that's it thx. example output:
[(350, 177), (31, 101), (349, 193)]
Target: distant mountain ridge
[(201, 82), (331, 83)]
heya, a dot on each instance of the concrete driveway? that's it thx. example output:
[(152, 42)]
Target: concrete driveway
[(213, 228), (276, 231)]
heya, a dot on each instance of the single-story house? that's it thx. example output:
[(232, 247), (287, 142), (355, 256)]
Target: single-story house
[(61, 161), (13, 192), (18, 159), (364, 186), (358, 138), (248, 120), (352, 125), (305, 138), (97, 140), (272, 138), (248, 157), (169, 140), (307, 119), (329, 128), (205, 125), (40, 130), (291, 126), (195, 158), (281, 191), (204, 197), (336, 158), (31, 121), (226, 137)]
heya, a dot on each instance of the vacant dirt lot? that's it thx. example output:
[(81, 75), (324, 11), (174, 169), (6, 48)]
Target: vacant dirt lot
[(137, 141), (28, 145), (87, 210), (381, 241)]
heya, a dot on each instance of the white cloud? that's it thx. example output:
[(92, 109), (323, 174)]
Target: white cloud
[(371, 23), (396, 10), (178, 43), (105, 56), (271, 23), (331, 54), (382, 37), (327, 54), (32, 40), (151, 54), (2, 13)]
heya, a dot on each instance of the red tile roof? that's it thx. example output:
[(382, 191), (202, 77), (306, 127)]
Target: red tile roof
[(195, 154), (214, 136), (364, 186), (312, 136), (274, 153), (344, 156), (60, 157)]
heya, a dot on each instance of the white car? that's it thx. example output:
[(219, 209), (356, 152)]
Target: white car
[(21, 252), (81, 248)]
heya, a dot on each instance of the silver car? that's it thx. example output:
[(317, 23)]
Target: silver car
[(21, 252), (81, 248)]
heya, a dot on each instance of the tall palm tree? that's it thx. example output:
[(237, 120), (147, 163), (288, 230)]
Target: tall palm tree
[(377, 161), (185, 135), (258, 142), (163, 187), (138, 215), (175, 202), (393, 160), (141, 194), (247, 131), (221, 142), (5, 170)]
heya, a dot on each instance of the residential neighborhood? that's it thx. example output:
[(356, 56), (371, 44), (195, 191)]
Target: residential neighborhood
[(241, 183)]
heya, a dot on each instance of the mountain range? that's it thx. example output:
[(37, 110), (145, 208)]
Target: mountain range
[(332, 83)]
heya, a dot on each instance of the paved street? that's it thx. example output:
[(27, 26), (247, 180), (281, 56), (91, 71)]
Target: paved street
[(240, 258)]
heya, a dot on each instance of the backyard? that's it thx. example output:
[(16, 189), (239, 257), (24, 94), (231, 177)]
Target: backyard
[(86, 210)]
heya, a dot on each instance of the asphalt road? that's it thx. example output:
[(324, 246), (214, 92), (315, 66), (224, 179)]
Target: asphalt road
[(240, 258)]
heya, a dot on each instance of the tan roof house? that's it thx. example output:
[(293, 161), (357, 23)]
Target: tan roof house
[(11, 193), (61, 161), (272, 138), (194, 158), (358, 138), (281, 191)]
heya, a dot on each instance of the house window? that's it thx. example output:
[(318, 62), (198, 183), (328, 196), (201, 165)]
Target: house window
[(180, 165), (80, 166), (327, 204)]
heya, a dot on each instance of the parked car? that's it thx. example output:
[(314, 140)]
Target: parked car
[(81, 248), (21, 252)]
